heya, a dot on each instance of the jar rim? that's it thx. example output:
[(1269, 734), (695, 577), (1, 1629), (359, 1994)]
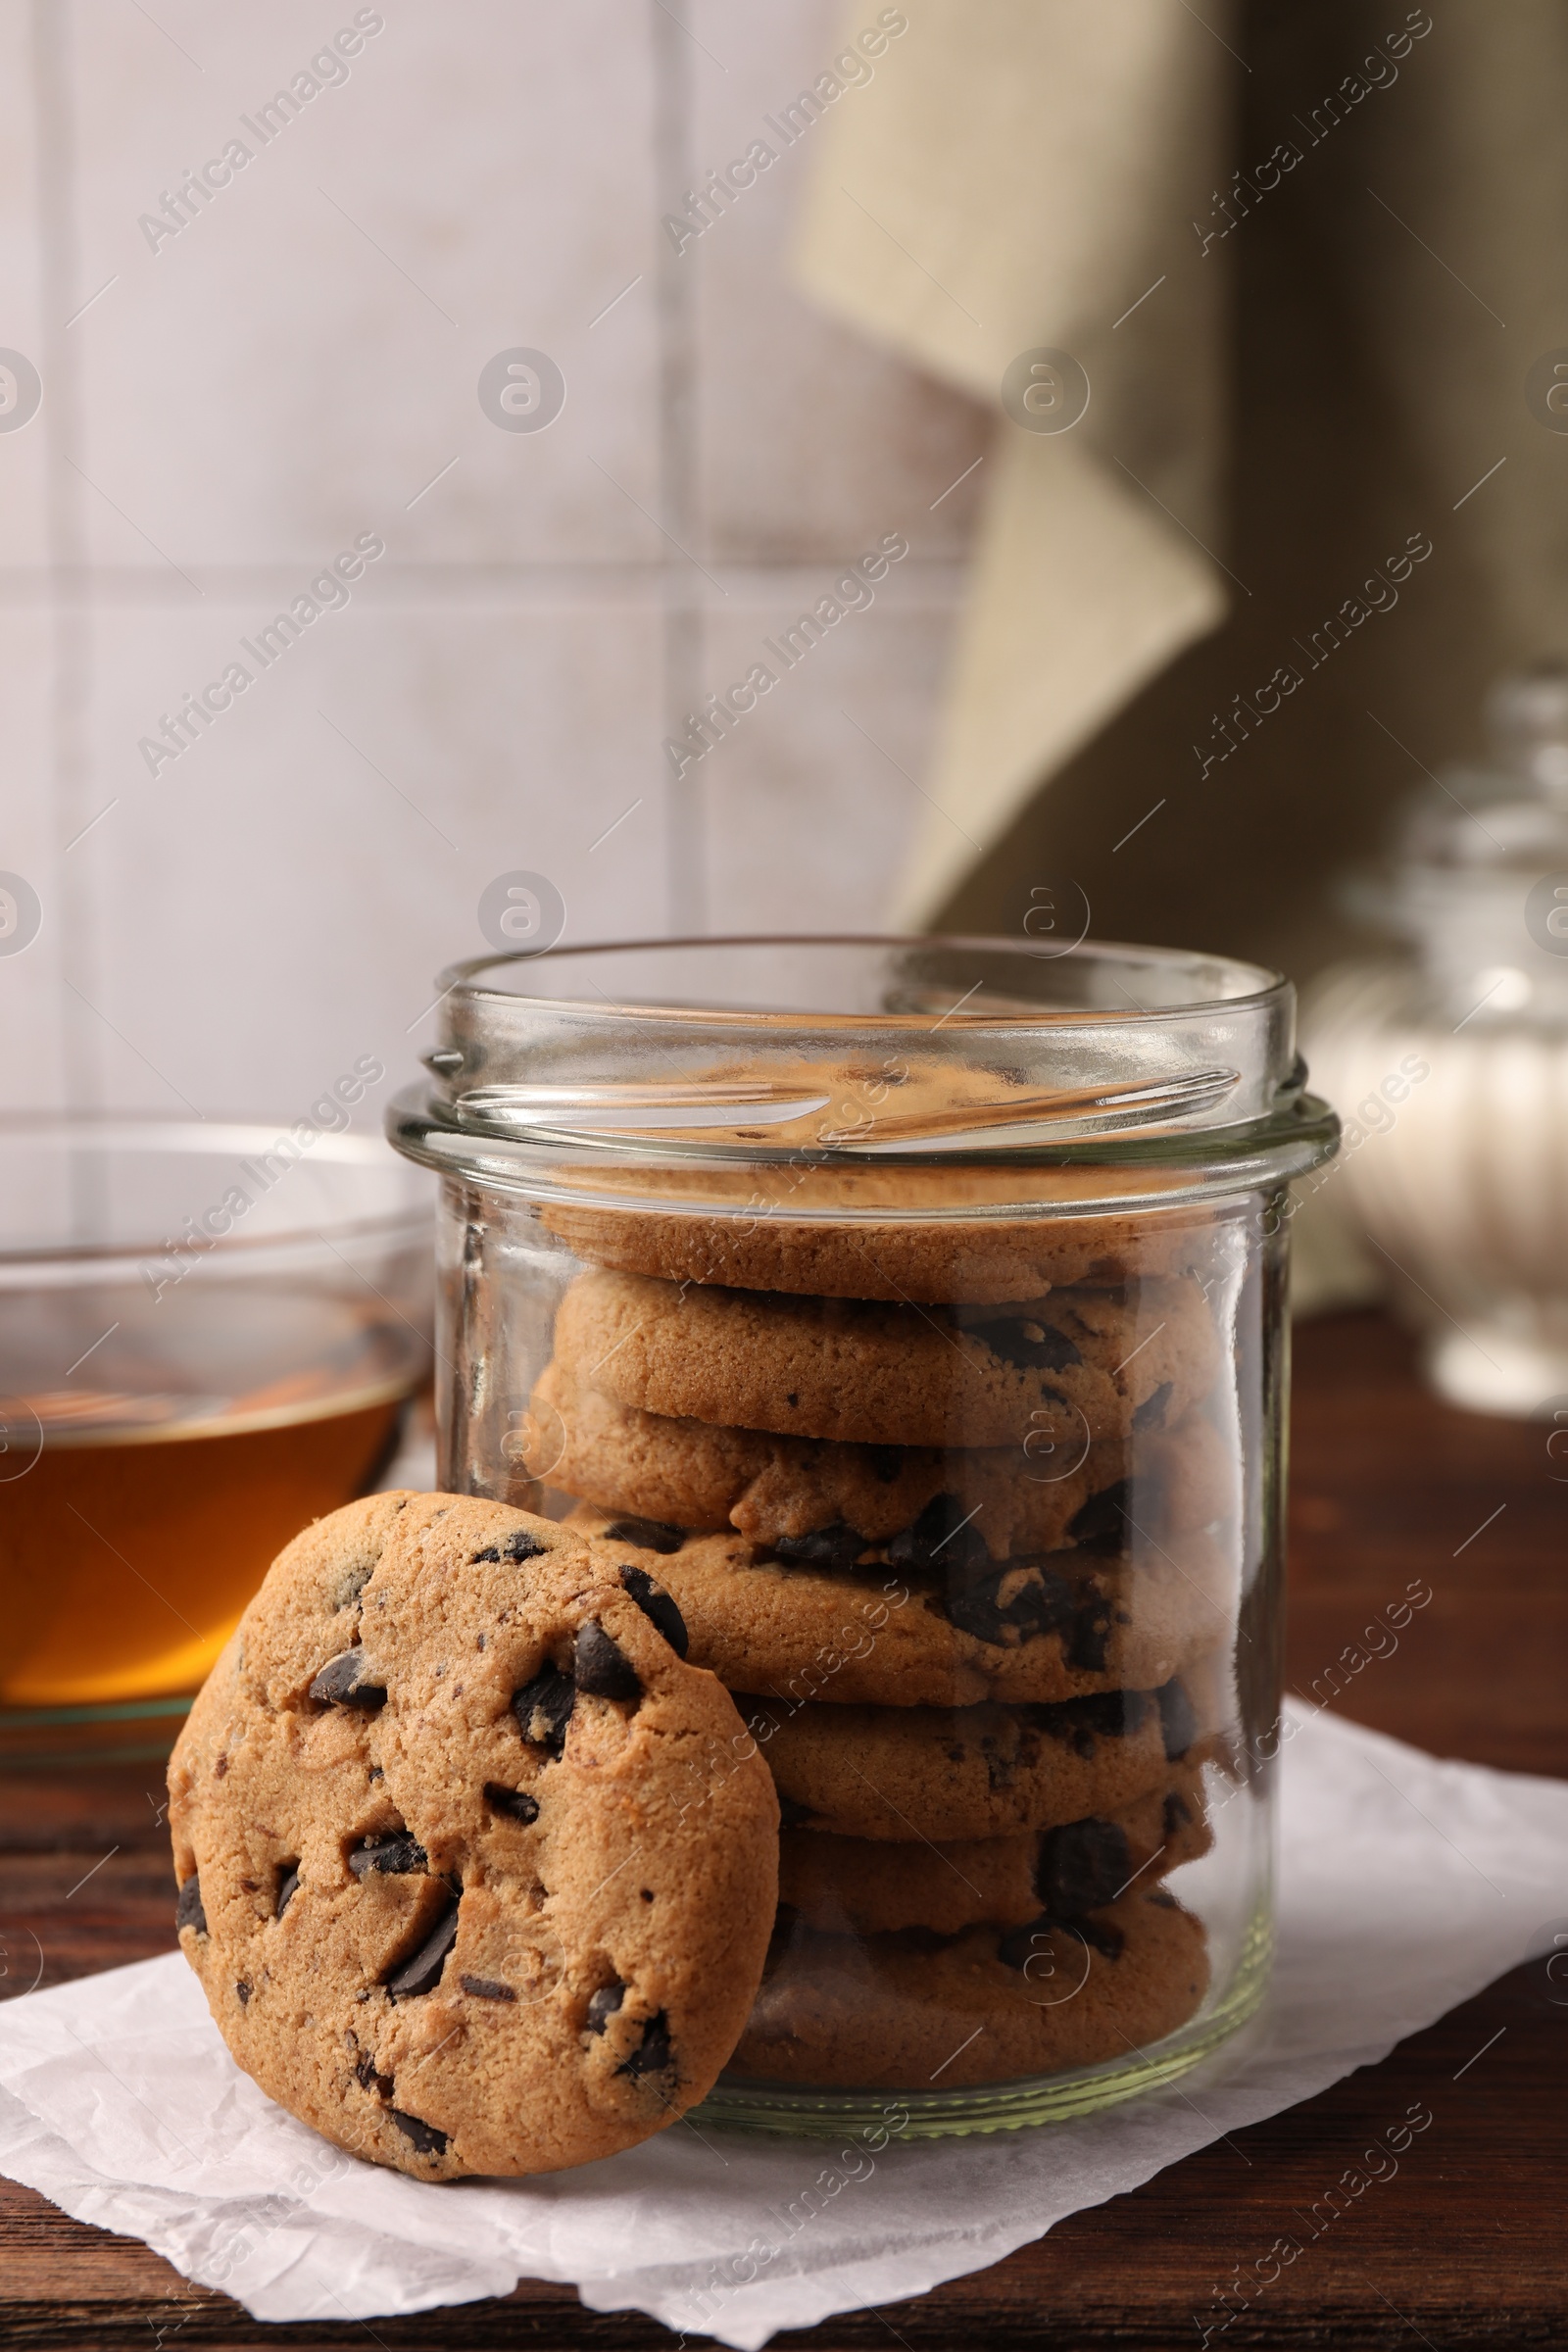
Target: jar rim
[(868, 1048), (1265, 986), (378, 1202)]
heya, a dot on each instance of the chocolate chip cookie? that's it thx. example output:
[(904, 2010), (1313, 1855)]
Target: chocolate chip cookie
[(816, 1231), (928, 1623), (873, 1374), (861, 1886), (469, 1866), (1054, 1489), (991, 2004), (955, 1773)]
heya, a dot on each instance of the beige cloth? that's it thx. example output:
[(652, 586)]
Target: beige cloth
[(1301, 396)]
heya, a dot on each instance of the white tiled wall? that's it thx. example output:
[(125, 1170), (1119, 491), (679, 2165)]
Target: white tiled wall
[(299, 366)]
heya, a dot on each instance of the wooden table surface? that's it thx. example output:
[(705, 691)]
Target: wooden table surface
[(1468, 2245)]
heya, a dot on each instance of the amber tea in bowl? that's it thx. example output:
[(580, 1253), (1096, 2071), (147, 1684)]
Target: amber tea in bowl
[(208, 1335)]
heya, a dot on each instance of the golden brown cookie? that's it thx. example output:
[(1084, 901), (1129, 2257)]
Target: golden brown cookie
[(471, 1869), (955, 1773), (923, 1234), (988, 2005), (871, 1374), (1049, 1628), (691, 1474), (863, 1885)]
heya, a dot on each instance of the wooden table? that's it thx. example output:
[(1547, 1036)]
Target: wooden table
[(1466, 2247)]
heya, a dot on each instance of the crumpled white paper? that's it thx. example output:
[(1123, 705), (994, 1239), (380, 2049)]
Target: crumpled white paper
[(1407, 1885)]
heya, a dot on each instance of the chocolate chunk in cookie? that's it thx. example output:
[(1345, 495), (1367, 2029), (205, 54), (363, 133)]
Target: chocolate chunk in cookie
[(658, 1607), (350, 1681), (649, 1534), (422, 1970), (544, 1707), (425, 2138), (1083, 1866), (520, 1804), (600, 1668), (519, 1546), (388, 1850), (946, 1537), (836, 1546), (1178, 1722)]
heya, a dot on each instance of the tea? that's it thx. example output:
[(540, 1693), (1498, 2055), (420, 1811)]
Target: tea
[(127, 1555)]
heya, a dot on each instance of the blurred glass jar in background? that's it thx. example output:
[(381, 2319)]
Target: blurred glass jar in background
[(1447, 1060), (208, 1335)]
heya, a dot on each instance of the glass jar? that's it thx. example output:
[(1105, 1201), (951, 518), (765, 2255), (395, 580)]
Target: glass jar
[(209, 1333), (911, 1312), (1448, 1059)]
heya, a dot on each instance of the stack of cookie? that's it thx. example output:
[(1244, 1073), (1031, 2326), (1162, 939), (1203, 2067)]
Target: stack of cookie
[(970, 1566)]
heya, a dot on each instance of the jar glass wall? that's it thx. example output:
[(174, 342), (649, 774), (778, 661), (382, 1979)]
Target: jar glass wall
[(912, 1313)]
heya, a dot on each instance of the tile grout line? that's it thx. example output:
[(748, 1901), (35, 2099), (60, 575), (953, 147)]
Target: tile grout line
[(81, 1049), (681, 623)]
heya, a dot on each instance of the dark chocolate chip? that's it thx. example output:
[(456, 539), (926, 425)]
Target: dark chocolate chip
[(600, 1667), (1016, 1949), (1101, 1524), (389, 1850), (543, 1709), (349, 1680), (422, 1972), (371, 2080), (1150, 1414), (188, 1912), (837, 1547), (603, 2005), (649, 1534), (220, 1768), (515, 1801), (792, 1398), (1090, 1638), (1017, 1603), (1020, 1947), (944, 1536), (287, 1886), (488, 1989), (1081, 1722), (1082, 1866), (658, 1607), (519, 1546), (427, 2140), (1177, 1720), (792, 1814), (244, 1992), (1032, 1346), (654, 2054), (1177, 1811)]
